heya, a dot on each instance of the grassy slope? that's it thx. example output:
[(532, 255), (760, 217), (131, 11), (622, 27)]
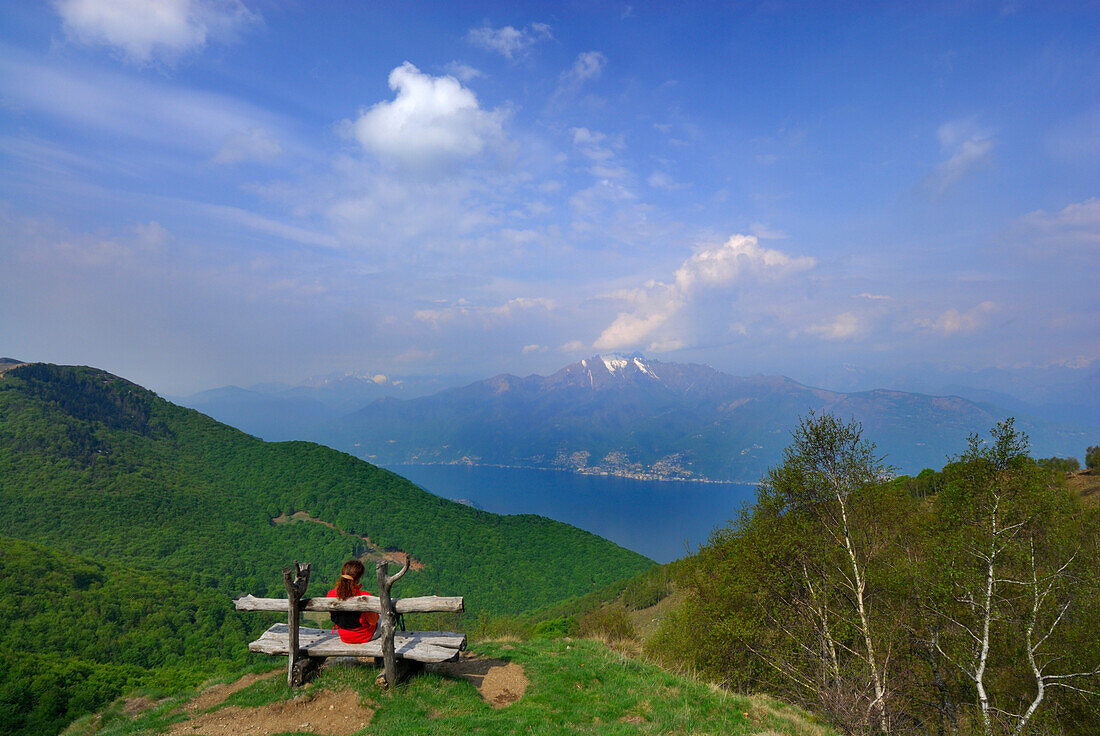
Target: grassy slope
[(577, 686), (92, 464)]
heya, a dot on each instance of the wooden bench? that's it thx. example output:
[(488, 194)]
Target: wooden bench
[(401, 652)]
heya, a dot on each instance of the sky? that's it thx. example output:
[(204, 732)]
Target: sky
[(196, 193)]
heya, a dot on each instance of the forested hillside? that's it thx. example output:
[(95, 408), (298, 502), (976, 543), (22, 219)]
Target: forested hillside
[(957, 602), (131, 523), (93, 464), (78, 633)]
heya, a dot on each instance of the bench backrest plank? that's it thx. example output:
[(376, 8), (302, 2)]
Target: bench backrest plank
[(421, 604)]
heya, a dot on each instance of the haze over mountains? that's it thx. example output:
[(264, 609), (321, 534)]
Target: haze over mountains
[(627, 415)]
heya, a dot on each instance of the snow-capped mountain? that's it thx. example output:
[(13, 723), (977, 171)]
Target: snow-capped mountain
[(628, 415)]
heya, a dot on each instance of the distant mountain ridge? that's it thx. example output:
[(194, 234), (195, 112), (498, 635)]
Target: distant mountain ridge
[(630, 416), (277, 411)]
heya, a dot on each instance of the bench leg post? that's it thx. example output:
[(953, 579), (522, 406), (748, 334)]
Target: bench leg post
[(388, 618), (296, 581), (303, 669), (385, 621)]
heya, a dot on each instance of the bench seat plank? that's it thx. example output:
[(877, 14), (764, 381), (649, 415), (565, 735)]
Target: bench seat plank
[(421, 646)]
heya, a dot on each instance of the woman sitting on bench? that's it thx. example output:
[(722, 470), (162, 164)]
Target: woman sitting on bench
[(354, 627)]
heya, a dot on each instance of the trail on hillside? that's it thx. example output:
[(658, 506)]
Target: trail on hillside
[(499, 683), (329, 713)]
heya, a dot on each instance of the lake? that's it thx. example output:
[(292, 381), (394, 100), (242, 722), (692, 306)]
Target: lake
[(663, 520)]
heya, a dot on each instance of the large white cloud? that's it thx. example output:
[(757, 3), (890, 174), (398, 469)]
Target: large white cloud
[(144, 30), (432, 121), (656, 303)]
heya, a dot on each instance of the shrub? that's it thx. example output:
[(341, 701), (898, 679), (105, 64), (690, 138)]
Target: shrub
[(1092, 457), (1060, 464), (608, 622), (648, 590), (554, 628)]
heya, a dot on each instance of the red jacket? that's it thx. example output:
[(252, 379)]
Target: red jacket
[(368, 621)]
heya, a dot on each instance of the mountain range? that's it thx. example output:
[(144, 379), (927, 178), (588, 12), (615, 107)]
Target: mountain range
[(626, 415)]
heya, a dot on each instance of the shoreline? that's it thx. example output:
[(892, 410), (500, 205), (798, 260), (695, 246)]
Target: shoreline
[(593, 472)]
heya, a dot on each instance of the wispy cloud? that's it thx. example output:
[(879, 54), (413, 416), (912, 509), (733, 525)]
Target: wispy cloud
[(508, 41), (842, 327), (967, 145), (126, 107), (255, 144), (1074, 229), (463, 72), (142, 31), (955, 322)]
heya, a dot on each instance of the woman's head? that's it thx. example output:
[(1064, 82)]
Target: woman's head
[(349, 579)]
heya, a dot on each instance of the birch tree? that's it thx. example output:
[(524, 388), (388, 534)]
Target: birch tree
[(1009, 570)]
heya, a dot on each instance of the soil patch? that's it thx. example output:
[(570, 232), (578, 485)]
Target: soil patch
[(132, 706), (500, 683), (216, 694), (330, 713)]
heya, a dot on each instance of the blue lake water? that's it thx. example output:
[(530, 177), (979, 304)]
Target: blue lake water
[(663, 520)]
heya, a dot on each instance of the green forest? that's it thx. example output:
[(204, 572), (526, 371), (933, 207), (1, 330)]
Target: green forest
[(963, 601), (131, 523)]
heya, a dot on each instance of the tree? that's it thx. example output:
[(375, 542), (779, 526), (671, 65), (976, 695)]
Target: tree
[(1092, 457), (800, 580), (1003, 579)]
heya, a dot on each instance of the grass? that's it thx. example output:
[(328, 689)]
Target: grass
[(575, 687)]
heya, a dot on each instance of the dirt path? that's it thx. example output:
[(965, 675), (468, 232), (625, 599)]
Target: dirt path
[(216, 694), (331, 713), (398, 557)]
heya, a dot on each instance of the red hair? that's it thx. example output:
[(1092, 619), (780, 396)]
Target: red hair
[(349, 579)]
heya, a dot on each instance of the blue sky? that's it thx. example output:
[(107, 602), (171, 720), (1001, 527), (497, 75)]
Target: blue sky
[(202, 192)]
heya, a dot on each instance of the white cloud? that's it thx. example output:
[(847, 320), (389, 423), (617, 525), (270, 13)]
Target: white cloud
[(432, 121), (588, 65), (954, 322), (144, 30), (584, 137), (661, 180), (968, 147), (462, 310), (255, 144), (528, 349), (765, 232), (842, 327), (463, 72), (1074, 228), (873, 297), (120, 105), (709, 268), (573, 346), (508, 41)]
